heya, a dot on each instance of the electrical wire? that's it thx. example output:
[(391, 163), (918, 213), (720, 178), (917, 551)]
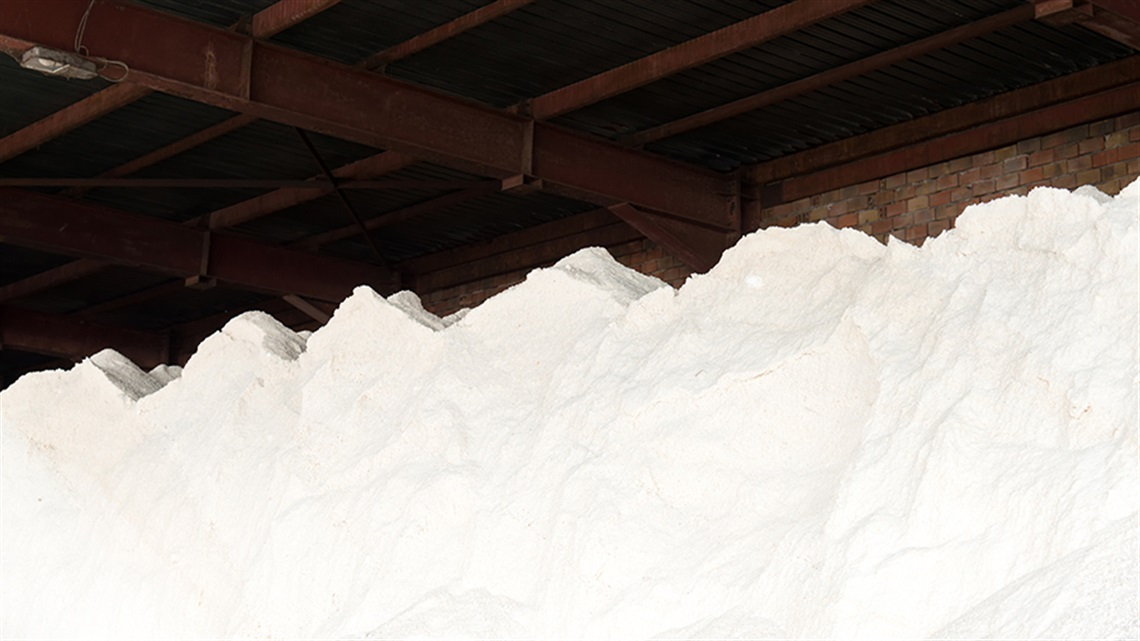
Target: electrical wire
[(103, 63), (111, 63), (79, 48)]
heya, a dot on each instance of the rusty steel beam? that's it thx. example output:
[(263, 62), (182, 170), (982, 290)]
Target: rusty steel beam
[(400, 215), (321, 183), (265, 204), (229, 216), (834, 75), (1117, 20), (171, 150), (49, 222), (235, 72), (267, 22), (1113, 23), (56, 276), (70, 117), (1129, 9), (443, 32), (76, 339), (731, 39), (310, 310), (948, 121), (697, 246), (1061, 12), (987, 136), (149, 293), (284, 14), (586, 169)]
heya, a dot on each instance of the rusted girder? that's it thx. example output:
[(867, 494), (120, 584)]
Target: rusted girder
[(235, 214), (83, 229), (171, 150), (699, 247), (322, 316), (1129, 9), (232, 71), (429, 39), (686, 55), (407, 213), (171, 287), (1115, 19), (320, 184), (281, 16), (74, 115), (834, 75), (265, 204), (267, 22), (65, 273), (284, 14)]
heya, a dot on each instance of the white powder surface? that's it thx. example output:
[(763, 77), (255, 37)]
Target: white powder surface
[(823, 437)]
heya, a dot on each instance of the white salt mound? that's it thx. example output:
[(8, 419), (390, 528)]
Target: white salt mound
[(822, 437)]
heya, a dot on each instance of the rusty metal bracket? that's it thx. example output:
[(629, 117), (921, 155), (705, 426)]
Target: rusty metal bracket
[(202, 280)]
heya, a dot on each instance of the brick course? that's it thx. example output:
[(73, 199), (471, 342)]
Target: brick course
[(912, 206), (922, 203)]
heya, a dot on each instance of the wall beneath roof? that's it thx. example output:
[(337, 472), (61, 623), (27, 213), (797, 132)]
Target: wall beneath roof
[(913, 205), (923, 203)]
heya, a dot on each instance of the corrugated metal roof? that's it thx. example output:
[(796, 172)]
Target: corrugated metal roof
[(26, 98), (348, 32), (108, 284), (847, 38), (183, 306), (1011, 58), (220, 13), (551, 44), (138, 128), (18, 263), (327, 212), (259, 150), (1002, 61), (527, 52), (474, 220)]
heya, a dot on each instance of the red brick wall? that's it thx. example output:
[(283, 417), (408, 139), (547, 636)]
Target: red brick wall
[(648, 258), (912, 206), (447, 301), (923, 203)]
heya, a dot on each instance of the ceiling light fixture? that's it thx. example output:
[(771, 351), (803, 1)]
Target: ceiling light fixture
[(61, 64)]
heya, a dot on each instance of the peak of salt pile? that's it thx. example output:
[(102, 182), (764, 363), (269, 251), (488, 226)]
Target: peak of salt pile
[(821, 437)]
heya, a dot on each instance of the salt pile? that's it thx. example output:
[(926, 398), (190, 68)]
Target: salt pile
[(822, 437)]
